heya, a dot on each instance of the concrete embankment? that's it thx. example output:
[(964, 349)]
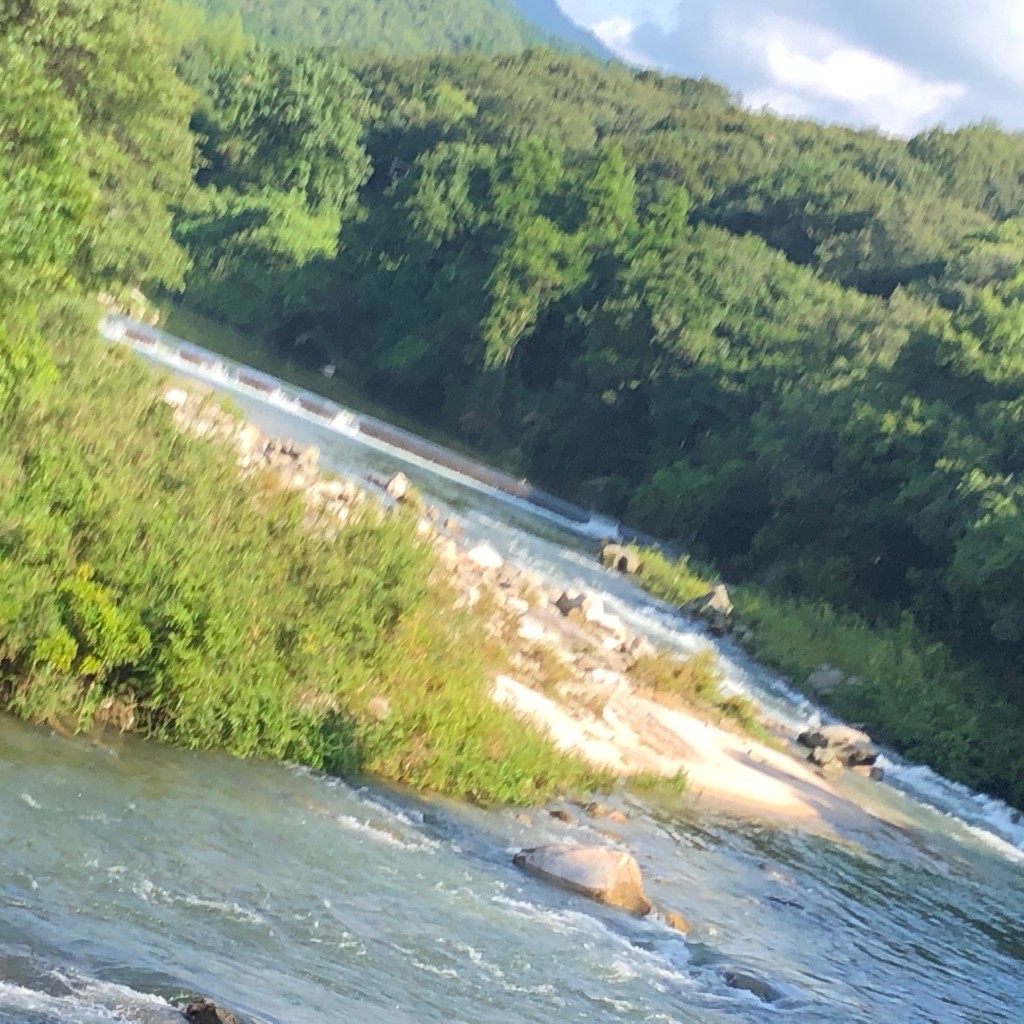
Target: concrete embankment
[(205, 363)]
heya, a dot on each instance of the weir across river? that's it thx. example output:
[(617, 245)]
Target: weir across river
[(218, 369)]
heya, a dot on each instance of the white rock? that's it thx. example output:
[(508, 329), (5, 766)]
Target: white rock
[(398, 486), (176, 397), (611, 876), (531, 628), (484, 556)]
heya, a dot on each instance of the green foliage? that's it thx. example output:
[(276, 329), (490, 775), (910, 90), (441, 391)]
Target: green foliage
[(401, 26), (143, 582), (693, 681), (792, 349), (139, 571), (651, 784), (676, 581), (111, 66), (906, 689)]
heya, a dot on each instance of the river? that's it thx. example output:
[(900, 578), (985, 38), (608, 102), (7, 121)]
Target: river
[(135, 875)]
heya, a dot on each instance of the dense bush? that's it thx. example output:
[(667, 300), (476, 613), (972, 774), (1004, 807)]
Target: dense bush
[(143, 581)]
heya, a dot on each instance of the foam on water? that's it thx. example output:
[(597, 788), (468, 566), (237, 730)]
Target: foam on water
[(987, 819), (86, 1002)]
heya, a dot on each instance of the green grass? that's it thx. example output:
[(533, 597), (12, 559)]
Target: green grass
[(695, 684), (677, 581), (144, 581)]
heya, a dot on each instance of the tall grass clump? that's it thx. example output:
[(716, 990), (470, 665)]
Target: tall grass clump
[(675, 580), (145, 582), (695, 683)]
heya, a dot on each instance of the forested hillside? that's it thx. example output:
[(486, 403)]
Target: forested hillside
[(795, 350), (406, 27)]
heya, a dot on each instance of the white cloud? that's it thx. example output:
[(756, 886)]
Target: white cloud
[(617, 34), (900, 65), (803, 63)]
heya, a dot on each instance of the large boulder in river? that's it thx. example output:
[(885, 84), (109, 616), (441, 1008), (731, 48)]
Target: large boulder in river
[(610, 876), (832, 736), (849, 747), (715, 608), (615, 556)]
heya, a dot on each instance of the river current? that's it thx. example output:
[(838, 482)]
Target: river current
[(135, 875)]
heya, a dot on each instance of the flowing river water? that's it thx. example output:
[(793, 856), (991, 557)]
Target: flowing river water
[(135, 875)]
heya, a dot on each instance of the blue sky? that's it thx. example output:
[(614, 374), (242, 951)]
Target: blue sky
[(898, 65)]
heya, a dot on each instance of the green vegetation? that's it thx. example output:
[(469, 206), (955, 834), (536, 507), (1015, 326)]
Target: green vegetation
[(905, 687), (677, 581), (793, 350), (695, 683), (408, 27), (143, 581)]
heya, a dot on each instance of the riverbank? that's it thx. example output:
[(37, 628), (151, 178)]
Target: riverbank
[(905, 687), (149, 585), (572, 669)]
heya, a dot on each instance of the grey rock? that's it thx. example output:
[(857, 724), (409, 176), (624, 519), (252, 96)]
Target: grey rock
[(833, 736), (715, 608), (206, 1011), (745, 982), (570, 601), (825, 679), (603, 874)]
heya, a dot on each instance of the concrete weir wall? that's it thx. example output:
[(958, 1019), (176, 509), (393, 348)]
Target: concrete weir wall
[(199, 360)]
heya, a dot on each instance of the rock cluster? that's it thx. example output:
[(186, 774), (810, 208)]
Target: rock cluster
[(715, 608), (835, 747)]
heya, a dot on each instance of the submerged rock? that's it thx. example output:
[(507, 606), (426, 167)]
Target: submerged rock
[(745, 982), (206, 1011), (676, 921), (598, 810), (609, 876)]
